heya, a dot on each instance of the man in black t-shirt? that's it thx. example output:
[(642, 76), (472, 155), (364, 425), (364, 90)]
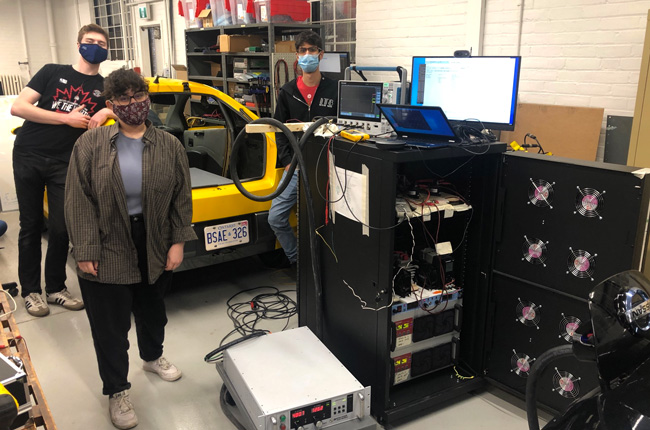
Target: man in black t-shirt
[(58, 105)]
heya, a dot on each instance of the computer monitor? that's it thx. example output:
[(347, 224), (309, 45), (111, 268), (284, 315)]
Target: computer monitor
[(469, 88), (358, 100), (333, 65)]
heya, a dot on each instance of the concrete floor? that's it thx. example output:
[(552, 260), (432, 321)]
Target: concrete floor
[(62, 354)]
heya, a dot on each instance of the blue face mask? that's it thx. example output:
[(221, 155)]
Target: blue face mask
[(93, 53), (308, 63)]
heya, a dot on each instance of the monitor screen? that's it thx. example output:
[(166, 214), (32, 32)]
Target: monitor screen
[(333, 65), (471, 88), (358, 100)]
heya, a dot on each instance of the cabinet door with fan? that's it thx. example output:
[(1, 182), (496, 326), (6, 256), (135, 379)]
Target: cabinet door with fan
[(565, 226)]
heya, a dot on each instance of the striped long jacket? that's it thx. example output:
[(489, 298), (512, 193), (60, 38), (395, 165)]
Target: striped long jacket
[(96, 211)]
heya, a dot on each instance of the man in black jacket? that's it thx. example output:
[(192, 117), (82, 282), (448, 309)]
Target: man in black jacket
[(305, 98)]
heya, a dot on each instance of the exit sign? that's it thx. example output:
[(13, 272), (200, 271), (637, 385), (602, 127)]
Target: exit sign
[(144, 12)]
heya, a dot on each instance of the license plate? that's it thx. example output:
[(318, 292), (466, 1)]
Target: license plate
[(225, 235)]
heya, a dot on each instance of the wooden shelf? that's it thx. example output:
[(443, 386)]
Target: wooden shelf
[(13, 344)]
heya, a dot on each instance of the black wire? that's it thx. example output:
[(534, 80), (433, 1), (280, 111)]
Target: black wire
[(296, 160), (273, 305), (276, 75), (210, 357), (453, 171), (246, 314)]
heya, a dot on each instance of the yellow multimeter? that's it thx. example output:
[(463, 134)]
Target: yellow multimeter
[(355, 135)]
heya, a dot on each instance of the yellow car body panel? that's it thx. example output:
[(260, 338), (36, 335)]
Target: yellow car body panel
[(214, 205), (225, 201)]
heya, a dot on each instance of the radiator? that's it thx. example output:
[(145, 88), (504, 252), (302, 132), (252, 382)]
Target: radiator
[(11, 84)]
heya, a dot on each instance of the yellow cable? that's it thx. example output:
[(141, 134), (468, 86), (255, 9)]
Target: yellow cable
[(459, 376), (325, 242)]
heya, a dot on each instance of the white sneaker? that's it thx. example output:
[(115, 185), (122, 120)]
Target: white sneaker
[(36, 306), (163, 368), (65, 299), (121, 410)]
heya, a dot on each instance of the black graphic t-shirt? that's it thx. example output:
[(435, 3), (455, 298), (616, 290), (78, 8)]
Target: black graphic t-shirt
[(62, 89)]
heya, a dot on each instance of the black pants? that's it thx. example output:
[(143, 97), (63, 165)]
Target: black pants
[(109, 309), (32, 173)]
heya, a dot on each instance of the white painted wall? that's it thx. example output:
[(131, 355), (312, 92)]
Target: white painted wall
[(7, 123)]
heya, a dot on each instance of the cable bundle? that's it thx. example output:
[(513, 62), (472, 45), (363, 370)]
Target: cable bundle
[(245, 315)]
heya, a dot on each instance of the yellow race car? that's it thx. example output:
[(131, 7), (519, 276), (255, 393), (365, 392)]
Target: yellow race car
[(207, 121)]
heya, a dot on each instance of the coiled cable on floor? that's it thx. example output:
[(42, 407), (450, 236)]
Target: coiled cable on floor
[(531, 384), (297, 160)]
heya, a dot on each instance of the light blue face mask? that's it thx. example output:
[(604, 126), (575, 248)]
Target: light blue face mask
[(308, 63)]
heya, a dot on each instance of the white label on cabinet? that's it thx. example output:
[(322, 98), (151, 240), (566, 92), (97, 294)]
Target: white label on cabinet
[(403, 341), (402, 376)]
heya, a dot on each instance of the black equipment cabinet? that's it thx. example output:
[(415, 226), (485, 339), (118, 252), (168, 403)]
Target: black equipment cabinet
[(503, 327), (565, 226)]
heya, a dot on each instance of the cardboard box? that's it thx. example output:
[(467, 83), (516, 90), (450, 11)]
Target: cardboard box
[(287, 46), (234, 87), (215, 68), (237, 43), (181, 71)]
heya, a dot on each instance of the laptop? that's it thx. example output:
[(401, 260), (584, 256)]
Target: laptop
[(421, 126)]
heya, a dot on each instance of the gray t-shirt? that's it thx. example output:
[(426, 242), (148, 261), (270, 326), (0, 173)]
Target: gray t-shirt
[(129, 153)]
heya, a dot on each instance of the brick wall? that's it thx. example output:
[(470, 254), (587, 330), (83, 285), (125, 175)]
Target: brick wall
[(575, 52)]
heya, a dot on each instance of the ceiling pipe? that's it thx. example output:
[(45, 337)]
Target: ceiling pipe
[(77, 14), (50, 30), (24, 65)]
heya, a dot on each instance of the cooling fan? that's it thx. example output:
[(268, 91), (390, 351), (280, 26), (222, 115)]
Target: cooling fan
[(520, 364), (565, 384), (589, 202), (568, 327), (540, 193), (534, 251), (528, 313), (581, 263)]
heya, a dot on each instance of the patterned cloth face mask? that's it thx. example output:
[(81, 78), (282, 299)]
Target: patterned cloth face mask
[(134, 113)]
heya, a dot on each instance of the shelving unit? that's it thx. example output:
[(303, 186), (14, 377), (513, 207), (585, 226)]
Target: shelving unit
[(202, 56)]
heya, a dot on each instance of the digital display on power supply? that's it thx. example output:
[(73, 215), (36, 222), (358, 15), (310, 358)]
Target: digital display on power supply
[(311, 414)]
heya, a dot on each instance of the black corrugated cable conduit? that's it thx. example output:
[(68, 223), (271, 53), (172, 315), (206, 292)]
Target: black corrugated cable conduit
[(531, 384), (297, 160)]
